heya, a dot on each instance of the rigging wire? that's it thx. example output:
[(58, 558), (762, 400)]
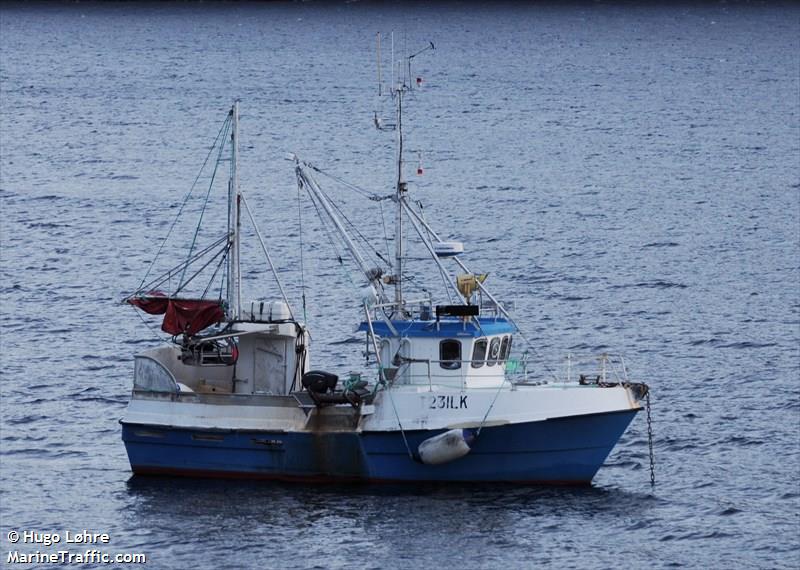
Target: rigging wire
[(361, 236), (366, 242), (149, 327), (196, 273), (366, 193), (266, 254), (185, 201), (219, 265), (386, 236), (339, 257), (371, 196), (300, 233), (167, 275), (374, 255), (325, 199), (181, 284)]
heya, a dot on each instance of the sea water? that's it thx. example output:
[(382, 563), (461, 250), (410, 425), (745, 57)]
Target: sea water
[(628, 175)]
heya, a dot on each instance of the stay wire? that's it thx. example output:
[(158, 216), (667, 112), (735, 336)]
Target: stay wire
[(349, 223), (185, 201), (386, 237), (167, 275), (346, 184), (205, 203), (227, 249), (331, 240), (352, 226), (368, 194), (196, 273)]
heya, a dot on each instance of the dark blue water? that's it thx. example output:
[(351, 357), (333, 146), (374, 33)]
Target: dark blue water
[(629, 175)]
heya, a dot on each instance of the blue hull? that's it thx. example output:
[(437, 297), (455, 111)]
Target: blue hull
[(559, 451)]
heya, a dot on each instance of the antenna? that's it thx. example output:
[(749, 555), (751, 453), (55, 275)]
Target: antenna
[(397, 90), (380, 78), (399, 80), (380, 123), (392, 86), (431, 47)]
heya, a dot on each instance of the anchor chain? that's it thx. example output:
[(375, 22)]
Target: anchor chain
[(650, 441)]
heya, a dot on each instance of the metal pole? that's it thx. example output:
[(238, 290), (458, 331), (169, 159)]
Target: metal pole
[(234, 221), (430, 249), (311, 185), (238, 207), (268, 256), (380, 79), (400, 196), (480, 285)]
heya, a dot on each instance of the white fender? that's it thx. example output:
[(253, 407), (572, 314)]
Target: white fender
[(443, 448)]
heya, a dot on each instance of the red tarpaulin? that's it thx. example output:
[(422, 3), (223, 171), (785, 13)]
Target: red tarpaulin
[(187, 316)]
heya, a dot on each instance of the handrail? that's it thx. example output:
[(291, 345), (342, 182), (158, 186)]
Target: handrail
[(429, 360), (605, 362), (405, 303)]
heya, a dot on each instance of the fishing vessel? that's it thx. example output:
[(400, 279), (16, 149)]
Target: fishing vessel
[(447, 396)]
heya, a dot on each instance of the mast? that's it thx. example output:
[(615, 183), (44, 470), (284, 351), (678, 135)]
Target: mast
[(401, 189), (234, 222), (399, 85)]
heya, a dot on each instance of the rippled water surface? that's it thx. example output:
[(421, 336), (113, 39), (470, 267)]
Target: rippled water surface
[(629, 175)]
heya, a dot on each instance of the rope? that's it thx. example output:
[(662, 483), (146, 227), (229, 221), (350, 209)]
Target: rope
[(155, 333), (496, 394), (400, 424)]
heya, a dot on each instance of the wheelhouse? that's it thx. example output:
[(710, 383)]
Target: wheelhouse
[(458, 353)]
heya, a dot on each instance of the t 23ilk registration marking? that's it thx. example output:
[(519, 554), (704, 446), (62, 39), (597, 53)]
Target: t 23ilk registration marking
[(448, 402)]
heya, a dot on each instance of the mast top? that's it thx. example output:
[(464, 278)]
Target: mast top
[(234, 222), (396, 91)]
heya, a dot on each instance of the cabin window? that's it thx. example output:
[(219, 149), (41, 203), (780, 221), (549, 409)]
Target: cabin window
[(450, 354), (149, 375), (505, 348), (479, 353), (494, 352)]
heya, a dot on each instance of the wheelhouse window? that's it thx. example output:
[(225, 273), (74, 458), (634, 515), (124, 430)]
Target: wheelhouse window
[(479, 353), (450, 354), (494, 352), (505, 348)]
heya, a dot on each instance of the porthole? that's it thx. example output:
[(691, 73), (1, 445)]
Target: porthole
[(479, 353), (450, 354), (494, 352), (505, 348)]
